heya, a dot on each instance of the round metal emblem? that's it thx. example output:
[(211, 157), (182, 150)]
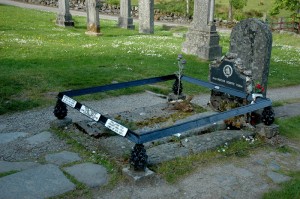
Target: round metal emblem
[(227, 70)]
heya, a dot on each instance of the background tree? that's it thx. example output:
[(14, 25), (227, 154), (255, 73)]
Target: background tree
[(291, 5), (236, 4)]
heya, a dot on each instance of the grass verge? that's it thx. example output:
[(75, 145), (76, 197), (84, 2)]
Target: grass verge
[(7, 173), (39, 59), (95, 157), (290, 127), (289, 190), (174, 170)]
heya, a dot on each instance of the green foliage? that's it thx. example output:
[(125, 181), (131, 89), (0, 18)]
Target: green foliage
[(113, 2), (221, 11), (262, 6), (39, 59), (290, 190), (289, 127), (291, 5), (253, 14), (176, 6), (238, 4), (8, 173), (174, 170), (98, 157)]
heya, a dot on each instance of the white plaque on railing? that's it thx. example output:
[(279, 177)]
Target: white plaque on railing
[(69, 101), (115, 127), (90, 113)]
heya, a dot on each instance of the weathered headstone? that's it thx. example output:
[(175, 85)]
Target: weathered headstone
[(93, 22), (251, 40), (202, 38), (245, 67), (64, 17), (146, 16), (125, 20)]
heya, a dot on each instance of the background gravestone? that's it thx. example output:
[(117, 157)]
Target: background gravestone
[(202, 38), (146, 16), (251, 40), (64, 17), (125, 20), (93, 22)]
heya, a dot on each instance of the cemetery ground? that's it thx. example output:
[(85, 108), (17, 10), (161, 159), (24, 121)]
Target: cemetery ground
[(39, 59)]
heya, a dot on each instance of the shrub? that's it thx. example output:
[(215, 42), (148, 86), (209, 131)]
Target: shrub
[(177, 6), (253, 13)]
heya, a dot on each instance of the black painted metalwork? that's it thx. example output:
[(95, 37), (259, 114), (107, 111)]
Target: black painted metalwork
[(179, 128), (268, 115), (217, 87), (139, 158), (60, 110), (117, 86)]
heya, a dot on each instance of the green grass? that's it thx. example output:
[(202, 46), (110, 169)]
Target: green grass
[(262, 6), (7, 173), (96, 157), (175, 169), (39, 59), (289, 190), (290, 127)]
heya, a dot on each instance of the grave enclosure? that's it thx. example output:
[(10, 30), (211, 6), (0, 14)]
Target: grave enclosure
[(233, 80)]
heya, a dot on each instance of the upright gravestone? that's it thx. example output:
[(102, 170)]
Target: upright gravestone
[(202, 38), (64, 17), (251, 40), (125, 20), (245, 67), (93, 22), (146, 16)]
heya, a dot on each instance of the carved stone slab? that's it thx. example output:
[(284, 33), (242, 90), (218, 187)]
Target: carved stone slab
[(227, 75)]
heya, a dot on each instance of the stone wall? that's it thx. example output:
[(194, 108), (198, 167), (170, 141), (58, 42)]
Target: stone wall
[(114, 10)]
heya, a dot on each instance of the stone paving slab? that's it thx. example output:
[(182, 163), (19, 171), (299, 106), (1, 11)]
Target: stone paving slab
[(40, 182), (63, 157), (277, 177), (138, 177), (9, 137), (288, 110), (92, 175), (16, 166), (39, 138), (193, 144)]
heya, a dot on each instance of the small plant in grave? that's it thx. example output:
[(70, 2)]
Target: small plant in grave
[(177, 86)]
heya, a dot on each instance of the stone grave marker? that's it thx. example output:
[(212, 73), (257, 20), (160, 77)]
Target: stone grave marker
[(202, 38), (146, 16), (125, 20), (231, 73), (93, 22), (251, 40), (244, 67), (64, 17), (228, 74)]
